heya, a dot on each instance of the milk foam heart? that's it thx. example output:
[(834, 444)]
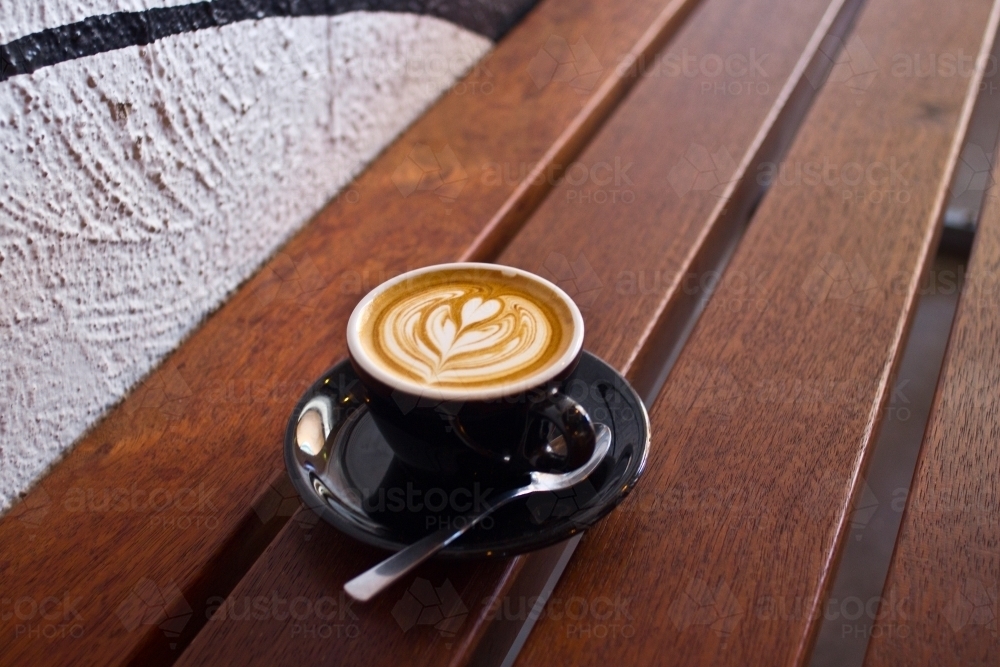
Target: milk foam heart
[(467, 328)]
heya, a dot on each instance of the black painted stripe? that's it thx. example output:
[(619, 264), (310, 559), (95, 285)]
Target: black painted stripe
[(97, 34)]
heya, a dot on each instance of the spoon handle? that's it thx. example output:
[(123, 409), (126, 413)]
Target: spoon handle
[(370, 583)]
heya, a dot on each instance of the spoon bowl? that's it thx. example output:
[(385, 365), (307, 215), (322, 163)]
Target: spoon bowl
[(368, 584)]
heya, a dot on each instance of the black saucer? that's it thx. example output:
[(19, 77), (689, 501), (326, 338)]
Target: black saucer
[(348, 475)]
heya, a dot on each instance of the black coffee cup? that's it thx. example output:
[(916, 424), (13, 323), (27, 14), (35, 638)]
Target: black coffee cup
[(497, 430)]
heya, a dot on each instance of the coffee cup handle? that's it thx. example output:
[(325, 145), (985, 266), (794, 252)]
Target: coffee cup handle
[(571, 420)]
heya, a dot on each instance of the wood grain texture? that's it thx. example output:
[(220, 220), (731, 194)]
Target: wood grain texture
[(940, 602), (620, 259), (723, 555), (169, 498)]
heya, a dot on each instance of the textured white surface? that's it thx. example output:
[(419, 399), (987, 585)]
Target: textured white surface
[(139, 187)]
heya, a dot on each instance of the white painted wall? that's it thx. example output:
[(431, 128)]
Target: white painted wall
[(139, 187)]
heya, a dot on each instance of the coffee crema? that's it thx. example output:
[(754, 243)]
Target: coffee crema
[(466, 328)]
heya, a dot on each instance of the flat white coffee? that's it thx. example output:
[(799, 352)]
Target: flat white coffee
[(467, 328)]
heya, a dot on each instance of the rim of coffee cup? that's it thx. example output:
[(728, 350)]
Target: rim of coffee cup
[(359, 354)]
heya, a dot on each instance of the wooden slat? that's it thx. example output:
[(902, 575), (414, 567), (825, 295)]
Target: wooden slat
[(201, 436), (940, 602), (725, 551), (589, 243)]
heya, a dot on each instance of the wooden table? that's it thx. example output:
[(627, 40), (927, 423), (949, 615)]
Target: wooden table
[(742, 205)]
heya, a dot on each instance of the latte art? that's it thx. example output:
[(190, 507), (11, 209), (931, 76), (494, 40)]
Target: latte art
[(463, 335), (467, 330)]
